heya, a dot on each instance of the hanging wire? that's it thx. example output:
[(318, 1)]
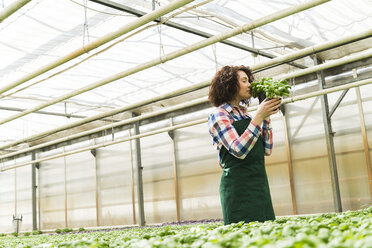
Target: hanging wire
[(163, 20), (112, 128), (253, 46), (292, 82), (86, 28), (161, 47), (98, 11), (214, 49)]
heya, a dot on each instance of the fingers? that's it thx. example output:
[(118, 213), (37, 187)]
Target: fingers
[(273, 103), (269, 107), (273, 100)]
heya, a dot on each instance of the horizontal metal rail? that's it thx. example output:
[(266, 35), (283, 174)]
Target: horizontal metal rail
[(99, 42), (222, 36), (191, 123), (109, 126), (190, 30), (12, 8), (238, 30), (192, 103)]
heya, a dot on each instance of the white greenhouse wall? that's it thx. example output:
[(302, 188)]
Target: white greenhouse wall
[(114, 185), (7, 200)]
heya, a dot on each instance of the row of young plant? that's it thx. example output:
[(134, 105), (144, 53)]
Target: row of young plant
[(15, 234), (341, 230), (37, 232)]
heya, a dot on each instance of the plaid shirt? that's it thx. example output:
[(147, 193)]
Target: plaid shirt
[(224, 134)]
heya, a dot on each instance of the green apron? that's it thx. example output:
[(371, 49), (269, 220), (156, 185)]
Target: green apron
[(244, 188)]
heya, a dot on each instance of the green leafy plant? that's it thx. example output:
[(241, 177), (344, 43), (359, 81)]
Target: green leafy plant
[(58, 230), (15, 234), (67, 230), (270, 87), (2, 234), (347, 229), (36, 232), (27, 234), (81, 229)]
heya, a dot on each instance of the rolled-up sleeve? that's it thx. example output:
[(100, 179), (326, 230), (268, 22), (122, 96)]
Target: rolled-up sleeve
[(223, 133), (267, 136)]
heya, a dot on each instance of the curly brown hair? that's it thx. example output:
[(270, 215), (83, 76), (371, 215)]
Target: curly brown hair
[(225, 86)]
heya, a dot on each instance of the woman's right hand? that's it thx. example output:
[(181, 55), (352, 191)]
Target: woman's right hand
[(267, 108)]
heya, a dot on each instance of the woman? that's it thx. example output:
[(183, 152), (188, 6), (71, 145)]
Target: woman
[(242, 143)]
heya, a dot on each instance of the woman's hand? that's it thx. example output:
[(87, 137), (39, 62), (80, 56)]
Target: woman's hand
[(267, 108)]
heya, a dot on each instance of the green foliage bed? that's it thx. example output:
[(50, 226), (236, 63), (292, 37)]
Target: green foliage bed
[(348, 229)]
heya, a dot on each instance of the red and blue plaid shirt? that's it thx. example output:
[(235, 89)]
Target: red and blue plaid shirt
[(224, 134)]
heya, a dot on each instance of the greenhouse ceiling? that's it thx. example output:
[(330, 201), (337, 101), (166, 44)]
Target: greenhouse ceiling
[(53, 73)]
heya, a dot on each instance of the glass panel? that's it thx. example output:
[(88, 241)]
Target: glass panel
[(277, 169), (312, 181), (114, 185), (81, 194), (158, 179), (24, 197), (52, 196), (7, 201), (350, 156), (199, 174)]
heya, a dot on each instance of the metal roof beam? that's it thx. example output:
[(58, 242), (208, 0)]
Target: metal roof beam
[(99, 42), (195, 102), (178, 53), (12, 8), (294, 55), (187, 124), (190, 30)]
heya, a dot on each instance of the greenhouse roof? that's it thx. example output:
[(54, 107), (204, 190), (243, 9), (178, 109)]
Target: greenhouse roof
[(43, 31)]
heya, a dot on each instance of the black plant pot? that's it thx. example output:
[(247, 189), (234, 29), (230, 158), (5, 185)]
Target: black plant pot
[(261, 96)]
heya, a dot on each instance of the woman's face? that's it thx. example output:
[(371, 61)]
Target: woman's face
[(244, 91)]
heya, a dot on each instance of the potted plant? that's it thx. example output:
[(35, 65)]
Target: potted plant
[(269, 88)]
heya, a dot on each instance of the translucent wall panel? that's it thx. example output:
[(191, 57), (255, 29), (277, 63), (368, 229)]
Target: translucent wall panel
[(7, 200), (114, 185), (277, 169), (158, 179), (52, 194), (199, 174), (312, 181), (366, 95), (80, 188), (24, 196), (350, 156)]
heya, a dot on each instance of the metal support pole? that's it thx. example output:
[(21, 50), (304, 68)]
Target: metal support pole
[(141, 208), (175, 174), (38, 197), (132, 177), (365, 139), (33, 189), (12, 8), (330, 145), (65, 187), (15, 192), (339, 100), (289, 159), (98, 207)]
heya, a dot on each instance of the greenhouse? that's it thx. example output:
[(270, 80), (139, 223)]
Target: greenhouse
[(105, 110)]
